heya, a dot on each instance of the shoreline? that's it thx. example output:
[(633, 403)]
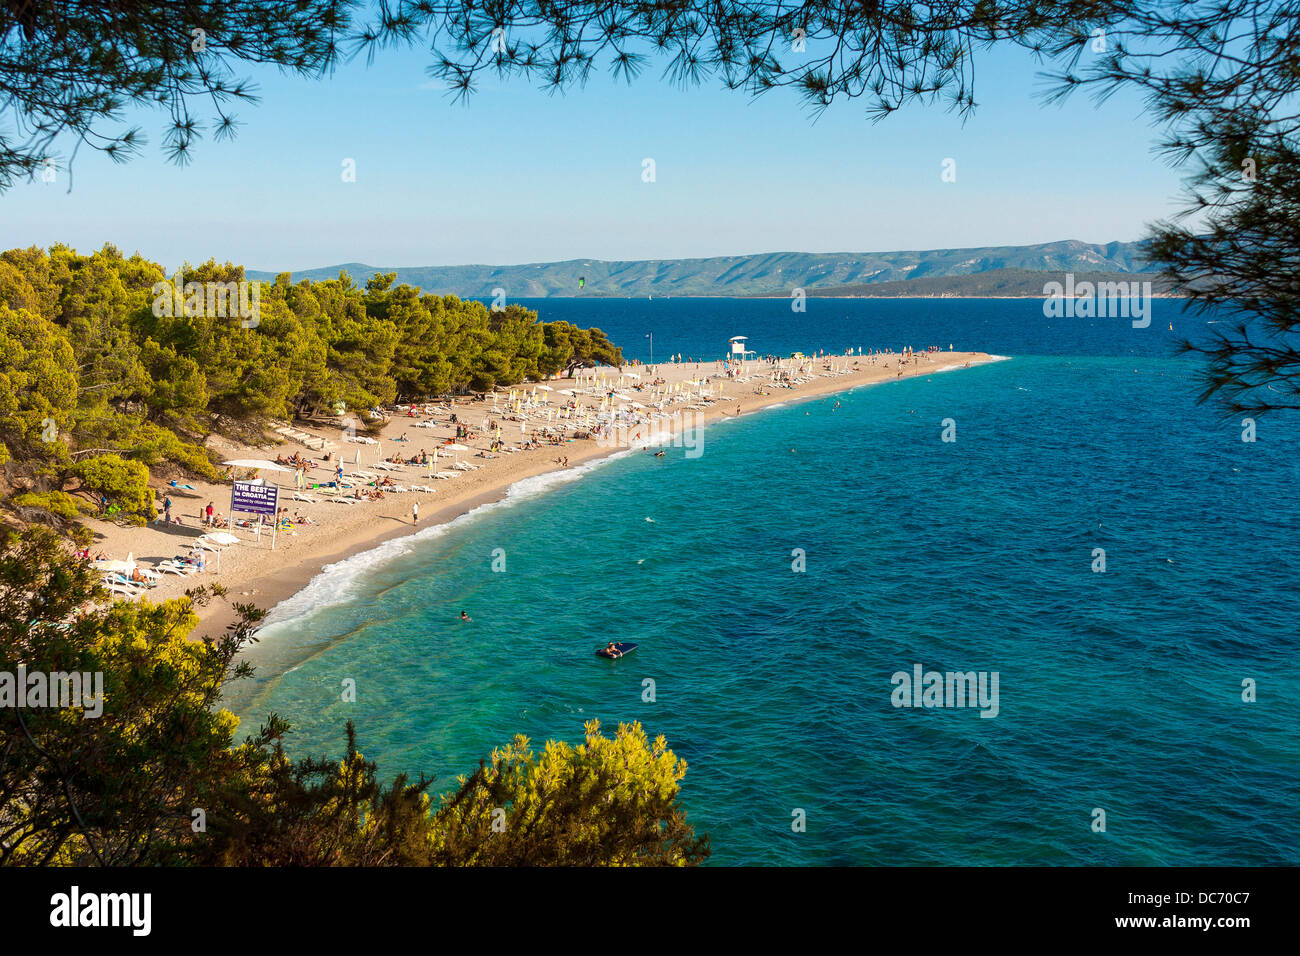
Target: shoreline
[(253, 573)]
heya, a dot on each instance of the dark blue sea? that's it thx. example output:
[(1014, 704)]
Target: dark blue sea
[(1163, 690)]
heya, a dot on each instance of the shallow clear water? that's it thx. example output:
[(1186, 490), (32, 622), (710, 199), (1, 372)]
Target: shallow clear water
[(1118, 690)]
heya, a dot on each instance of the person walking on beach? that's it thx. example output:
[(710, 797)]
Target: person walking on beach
[(167, 509), (415, 513), (208, 514)]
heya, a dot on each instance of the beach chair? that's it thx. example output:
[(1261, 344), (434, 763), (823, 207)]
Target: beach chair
[(116, 584), (121, 590), (303, 496)]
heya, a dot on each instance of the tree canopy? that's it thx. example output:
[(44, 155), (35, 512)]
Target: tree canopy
[(108, 367), (1220, 77), (156, 777)]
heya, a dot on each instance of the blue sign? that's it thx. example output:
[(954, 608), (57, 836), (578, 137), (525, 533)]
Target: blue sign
[(255, 499)]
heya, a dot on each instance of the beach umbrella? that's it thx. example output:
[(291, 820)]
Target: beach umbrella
[(259, 463)]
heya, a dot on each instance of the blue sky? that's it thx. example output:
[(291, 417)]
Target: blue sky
[(521, 175)]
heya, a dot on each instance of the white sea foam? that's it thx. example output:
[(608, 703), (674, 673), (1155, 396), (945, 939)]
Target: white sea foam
[(339, 582)]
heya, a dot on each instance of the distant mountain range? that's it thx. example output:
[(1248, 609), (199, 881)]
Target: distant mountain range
[(996, 283), (773, 273)]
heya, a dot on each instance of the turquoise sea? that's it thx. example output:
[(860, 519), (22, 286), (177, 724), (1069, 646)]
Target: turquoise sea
[(1120, 690)]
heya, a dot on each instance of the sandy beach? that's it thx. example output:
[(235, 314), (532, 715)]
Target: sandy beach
[(253, 572)]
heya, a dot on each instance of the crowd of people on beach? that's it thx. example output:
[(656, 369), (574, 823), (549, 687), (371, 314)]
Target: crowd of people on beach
[(632, 420)]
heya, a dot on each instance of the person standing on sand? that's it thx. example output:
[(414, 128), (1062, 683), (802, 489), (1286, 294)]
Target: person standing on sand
[(208, 514), (415, 513)]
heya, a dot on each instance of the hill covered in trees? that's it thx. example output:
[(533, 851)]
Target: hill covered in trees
[(773, 273), (108, 366), (995, 283)]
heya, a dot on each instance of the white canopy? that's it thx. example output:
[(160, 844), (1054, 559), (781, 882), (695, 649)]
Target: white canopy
[(260, 463), (220, 537)]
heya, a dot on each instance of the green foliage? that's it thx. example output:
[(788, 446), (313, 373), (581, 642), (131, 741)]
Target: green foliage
[(607, 801), (38, 386), (122, 788), (117, 789), (568, 347), (104, 355), (316, 812), (124, 483), (57, 503)]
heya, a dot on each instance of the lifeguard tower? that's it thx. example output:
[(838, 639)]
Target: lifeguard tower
[(739, 351)]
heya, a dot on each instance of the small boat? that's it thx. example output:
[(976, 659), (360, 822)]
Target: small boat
[(621, 649)]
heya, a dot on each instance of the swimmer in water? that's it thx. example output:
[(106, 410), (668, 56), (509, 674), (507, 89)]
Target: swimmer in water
[(659, 454), (465, 617)]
